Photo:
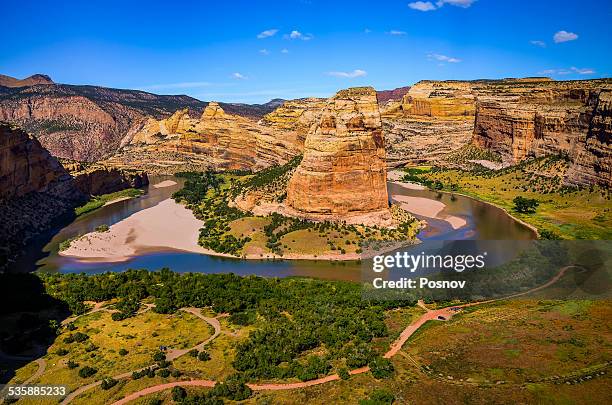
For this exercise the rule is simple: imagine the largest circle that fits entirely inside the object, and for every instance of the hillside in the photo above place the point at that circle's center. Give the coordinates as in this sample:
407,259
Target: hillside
87,123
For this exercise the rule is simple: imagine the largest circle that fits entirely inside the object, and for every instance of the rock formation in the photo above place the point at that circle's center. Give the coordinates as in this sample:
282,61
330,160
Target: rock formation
343,170
216,140
530,119
431,120
439,99
297,116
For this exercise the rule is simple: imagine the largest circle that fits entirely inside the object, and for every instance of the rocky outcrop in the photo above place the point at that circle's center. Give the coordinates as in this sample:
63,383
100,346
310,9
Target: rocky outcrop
343,171
439,99
385,96
531,119
297,116
216,140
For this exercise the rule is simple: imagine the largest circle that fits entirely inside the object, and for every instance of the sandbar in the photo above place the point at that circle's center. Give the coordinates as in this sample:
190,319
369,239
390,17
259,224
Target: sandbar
165,183
428,208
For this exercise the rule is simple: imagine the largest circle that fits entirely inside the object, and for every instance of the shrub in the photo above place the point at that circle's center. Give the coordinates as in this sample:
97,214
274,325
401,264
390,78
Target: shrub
164,373
525,205
379,397
159,356
203,356
193,352
102,228
61,352
71,364
108,383
87,372
123,352
178,394
381,368
344,373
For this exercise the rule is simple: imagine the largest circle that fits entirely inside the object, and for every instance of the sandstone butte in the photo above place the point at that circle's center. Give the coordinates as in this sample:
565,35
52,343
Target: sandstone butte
214,140
343,171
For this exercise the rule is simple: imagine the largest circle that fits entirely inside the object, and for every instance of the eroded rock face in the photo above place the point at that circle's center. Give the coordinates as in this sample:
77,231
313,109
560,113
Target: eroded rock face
439,99
297,116
216,140
343,170
535,119
84,123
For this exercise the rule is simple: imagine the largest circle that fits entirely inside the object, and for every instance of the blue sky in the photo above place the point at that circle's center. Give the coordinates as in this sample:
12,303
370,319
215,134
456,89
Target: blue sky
252,51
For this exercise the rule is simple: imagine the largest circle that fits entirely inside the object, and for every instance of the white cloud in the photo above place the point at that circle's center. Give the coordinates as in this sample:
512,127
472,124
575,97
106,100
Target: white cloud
429,6
422,6
238,76
443,58
284,50
564,36
396,32
348,75
264,52
367,31
267,33
181,85
541,44
295,34
572,70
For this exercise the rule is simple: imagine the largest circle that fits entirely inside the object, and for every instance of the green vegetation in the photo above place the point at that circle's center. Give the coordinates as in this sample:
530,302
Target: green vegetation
98,201
102,228
307,348
230,230
66,243
563,212
525,205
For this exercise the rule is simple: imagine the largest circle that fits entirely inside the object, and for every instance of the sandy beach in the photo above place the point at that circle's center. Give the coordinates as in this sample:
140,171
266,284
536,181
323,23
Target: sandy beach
428,208
168,226
165,183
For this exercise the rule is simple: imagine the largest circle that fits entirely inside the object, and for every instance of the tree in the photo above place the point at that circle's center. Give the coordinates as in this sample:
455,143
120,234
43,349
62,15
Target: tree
87,372
381,368
203,356
178,394
525,205
108,383
344,373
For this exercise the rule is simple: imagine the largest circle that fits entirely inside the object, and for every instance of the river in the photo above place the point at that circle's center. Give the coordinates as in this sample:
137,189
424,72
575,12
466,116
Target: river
482,221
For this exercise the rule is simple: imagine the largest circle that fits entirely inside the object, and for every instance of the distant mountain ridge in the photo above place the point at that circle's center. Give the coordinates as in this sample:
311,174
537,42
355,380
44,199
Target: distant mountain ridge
87,123
8,81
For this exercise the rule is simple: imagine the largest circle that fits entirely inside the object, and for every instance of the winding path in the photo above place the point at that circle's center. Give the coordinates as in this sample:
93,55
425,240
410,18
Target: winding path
442,314
430,315
171,354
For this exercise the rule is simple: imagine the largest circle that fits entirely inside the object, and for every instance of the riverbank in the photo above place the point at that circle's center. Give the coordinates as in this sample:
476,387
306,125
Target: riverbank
166,227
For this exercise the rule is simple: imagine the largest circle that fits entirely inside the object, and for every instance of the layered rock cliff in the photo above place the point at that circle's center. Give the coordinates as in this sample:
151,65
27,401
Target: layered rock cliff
430,121
216,140
530,119
297,116
343,170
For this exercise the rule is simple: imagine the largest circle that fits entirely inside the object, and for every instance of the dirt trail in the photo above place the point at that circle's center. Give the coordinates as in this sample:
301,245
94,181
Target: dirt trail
171,355
438,314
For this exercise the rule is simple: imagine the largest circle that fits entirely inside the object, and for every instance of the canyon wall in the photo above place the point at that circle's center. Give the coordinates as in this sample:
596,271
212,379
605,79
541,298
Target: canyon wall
531,119
216,140
343,170
36,190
